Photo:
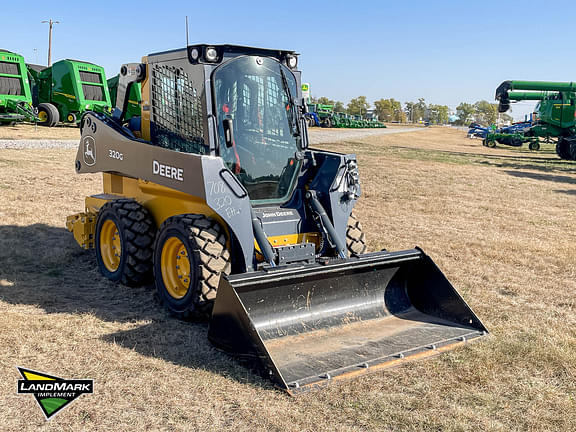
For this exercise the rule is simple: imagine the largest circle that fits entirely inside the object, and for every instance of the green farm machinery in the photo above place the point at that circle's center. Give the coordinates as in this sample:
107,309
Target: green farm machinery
555,113
15,93
320,115
325,116
67,89
134,99
516,139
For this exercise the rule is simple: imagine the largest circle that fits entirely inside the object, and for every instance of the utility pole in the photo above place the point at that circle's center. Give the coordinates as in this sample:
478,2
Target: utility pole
50,23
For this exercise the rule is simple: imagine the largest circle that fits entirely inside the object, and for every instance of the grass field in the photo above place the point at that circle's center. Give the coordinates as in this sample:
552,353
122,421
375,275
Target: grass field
498,222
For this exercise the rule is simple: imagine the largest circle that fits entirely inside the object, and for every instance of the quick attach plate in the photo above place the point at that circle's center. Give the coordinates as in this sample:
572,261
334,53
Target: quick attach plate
302,253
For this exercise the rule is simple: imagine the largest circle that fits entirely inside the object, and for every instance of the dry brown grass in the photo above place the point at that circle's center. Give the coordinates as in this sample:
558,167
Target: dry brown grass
499,222
29,131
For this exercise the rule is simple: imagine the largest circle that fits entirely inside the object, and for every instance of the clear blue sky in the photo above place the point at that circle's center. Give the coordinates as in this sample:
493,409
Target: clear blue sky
446,52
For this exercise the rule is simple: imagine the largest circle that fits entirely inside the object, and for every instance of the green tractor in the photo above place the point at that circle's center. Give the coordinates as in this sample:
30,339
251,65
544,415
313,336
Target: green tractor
322,115
134,99
15,94
66,90
555,112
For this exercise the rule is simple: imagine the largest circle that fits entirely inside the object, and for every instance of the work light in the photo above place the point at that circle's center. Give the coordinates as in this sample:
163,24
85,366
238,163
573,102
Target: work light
291,61
211,54
194,54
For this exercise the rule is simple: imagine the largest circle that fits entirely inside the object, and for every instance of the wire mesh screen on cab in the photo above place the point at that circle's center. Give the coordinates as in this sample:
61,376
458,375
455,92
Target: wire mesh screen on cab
177,122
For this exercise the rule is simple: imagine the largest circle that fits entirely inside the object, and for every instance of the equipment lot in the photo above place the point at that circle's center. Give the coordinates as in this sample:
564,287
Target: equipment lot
499,223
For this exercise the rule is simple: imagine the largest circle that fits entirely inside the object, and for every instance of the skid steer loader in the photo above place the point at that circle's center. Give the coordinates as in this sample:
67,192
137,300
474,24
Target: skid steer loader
216,196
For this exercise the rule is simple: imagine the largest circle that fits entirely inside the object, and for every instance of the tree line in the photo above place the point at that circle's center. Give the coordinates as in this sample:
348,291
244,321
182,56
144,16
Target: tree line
482,112
391,110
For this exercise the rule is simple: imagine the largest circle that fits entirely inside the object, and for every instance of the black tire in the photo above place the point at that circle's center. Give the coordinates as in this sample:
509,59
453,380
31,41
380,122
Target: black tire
516,142
490,143
572,149
205,245
327,123
355,238
52,114
563,149
137,231
534,145
71,118
484,143
311,122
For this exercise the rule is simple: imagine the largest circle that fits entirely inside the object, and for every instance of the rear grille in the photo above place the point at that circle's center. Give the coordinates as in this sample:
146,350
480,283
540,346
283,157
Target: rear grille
9,68
10,86
92,92
91,77
176,111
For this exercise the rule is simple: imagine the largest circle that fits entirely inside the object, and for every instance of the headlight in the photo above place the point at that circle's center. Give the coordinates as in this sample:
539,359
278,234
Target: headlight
291,61
211,54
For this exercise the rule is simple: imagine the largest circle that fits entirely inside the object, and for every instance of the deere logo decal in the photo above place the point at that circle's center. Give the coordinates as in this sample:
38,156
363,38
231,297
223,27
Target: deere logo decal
51,392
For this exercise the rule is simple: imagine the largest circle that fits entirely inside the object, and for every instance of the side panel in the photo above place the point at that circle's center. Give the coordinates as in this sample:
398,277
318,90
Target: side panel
183,180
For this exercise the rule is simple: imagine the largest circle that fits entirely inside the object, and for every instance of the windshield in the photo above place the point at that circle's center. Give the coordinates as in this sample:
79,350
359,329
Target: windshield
255,92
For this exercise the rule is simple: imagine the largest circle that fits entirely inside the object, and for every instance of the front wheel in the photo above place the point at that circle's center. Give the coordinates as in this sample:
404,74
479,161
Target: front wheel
71,118
534,145
190,254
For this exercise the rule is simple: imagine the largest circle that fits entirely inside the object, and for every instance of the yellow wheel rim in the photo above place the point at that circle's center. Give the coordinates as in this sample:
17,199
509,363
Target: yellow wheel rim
110,245
175,267
70,118
42,116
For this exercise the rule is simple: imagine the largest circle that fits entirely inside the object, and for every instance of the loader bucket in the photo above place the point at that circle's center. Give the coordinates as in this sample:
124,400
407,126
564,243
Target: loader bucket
310,324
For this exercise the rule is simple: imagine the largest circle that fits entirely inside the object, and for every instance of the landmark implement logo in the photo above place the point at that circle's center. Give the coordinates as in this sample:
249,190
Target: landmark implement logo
51,392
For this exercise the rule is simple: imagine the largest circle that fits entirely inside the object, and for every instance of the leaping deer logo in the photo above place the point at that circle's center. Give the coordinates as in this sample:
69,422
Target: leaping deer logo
89,151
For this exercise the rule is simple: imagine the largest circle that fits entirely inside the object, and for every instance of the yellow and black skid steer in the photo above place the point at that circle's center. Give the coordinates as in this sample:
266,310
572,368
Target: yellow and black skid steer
215,195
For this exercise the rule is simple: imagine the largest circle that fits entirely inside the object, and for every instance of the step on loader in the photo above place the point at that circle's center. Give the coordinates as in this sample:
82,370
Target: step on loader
216,197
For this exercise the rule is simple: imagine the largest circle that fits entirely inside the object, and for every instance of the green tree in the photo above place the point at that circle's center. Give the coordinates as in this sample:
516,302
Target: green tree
438,114
339,107
389,110
358,105
416,111
325,101
466,112
486,112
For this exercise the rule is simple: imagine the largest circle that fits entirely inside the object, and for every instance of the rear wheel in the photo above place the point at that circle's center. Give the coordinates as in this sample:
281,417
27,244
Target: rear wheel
48,115
355,238
124,239
563,148
572,149
189,256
